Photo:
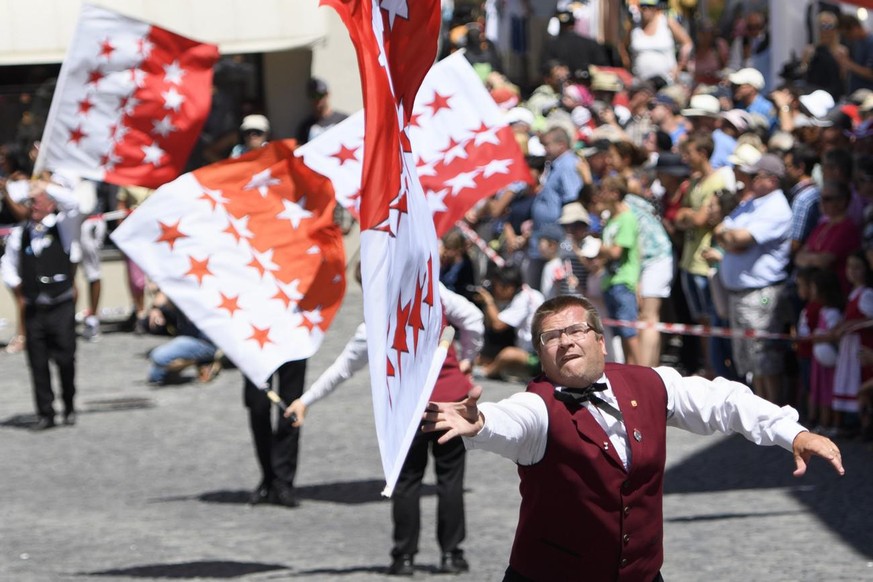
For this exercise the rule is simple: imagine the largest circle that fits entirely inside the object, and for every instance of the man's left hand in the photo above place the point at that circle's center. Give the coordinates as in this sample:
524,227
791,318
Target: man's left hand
806,444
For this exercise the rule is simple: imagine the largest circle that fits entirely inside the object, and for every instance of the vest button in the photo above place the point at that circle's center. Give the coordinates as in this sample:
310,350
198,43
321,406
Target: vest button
625,538
622,563
625,486
626,510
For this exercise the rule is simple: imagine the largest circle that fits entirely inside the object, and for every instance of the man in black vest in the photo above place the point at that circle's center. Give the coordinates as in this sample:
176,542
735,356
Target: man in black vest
589,439
39,263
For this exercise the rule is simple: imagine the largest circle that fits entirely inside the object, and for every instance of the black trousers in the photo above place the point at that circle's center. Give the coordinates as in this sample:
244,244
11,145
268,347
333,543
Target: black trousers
450,461
51,336
277,448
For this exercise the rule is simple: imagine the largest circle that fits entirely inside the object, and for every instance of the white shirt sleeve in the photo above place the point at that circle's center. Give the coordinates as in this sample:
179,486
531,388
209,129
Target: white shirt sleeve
865,304
11,256
516,428
705,406
467,319
352,359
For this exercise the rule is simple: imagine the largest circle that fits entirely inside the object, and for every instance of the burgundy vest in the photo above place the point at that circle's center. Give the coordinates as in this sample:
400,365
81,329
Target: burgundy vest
452,384
583,516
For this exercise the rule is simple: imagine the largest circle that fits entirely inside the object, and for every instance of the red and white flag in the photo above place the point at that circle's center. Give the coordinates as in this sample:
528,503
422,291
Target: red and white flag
248,249
464,149
396,42
130,101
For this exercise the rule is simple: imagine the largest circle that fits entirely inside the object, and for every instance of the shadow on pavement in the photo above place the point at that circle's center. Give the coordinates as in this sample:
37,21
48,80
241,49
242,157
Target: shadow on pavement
843,504
361,570
191,570
344,492
87,407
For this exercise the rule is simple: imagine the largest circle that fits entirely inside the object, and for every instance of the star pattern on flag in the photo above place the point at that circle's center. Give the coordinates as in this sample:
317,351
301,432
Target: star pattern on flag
436,200
94,77
263,262
455,149
199,269
262,182
395,8
496,167
311,318
85,106
229,303
164,126
77,135
106,49
153,154
260,335
294,211
238,228
214,198
170,233
173,73
346,154
486,134
438,103
173,100
461,181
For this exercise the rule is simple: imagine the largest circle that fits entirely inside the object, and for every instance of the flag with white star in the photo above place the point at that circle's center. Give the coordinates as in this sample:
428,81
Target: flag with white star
396,43
248,249
464,149
130,101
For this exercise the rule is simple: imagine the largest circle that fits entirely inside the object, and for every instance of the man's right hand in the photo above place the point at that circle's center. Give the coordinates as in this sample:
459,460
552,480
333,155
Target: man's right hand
298,409
456,418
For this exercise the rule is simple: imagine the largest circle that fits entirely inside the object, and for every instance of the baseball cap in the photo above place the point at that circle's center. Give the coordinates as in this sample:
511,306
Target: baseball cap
702,106
316,88
769,164
598,146
551,232
255,123
748,76
672,165
667,101
573,213
818,103
738,118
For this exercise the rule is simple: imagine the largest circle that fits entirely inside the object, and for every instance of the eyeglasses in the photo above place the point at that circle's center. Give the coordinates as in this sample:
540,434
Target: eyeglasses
575,332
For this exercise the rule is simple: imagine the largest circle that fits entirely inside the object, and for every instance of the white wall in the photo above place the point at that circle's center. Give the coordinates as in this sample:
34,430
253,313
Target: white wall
38,31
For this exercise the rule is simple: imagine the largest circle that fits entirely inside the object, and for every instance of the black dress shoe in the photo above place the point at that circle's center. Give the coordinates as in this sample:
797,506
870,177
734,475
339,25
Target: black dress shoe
284,495
401,566
70,418
453,563
44,423
261,494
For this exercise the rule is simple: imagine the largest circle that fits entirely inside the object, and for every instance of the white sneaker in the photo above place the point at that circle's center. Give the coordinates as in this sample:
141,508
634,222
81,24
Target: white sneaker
91,331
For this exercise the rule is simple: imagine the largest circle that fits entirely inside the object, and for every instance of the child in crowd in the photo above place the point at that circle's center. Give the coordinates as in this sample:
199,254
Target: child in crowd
621,255
824,290
456,267
806,322
854,333
556,271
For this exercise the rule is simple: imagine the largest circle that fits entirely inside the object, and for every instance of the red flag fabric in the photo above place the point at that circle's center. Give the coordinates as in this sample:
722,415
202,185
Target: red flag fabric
396,43
248,249
130,101
464,149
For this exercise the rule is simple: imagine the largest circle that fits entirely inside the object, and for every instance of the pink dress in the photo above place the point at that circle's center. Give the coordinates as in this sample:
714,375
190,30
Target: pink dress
821,384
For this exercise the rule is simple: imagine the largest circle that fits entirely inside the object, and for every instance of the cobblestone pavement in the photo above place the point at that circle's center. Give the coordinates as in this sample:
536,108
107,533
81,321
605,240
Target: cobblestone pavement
152,484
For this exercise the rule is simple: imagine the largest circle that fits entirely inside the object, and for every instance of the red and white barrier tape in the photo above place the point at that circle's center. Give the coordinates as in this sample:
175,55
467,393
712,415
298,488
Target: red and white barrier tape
474,237
700,330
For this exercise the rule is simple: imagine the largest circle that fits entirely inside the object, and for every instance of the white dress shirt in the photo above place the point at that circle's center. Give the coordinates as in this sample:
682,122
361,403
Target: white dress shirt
517,427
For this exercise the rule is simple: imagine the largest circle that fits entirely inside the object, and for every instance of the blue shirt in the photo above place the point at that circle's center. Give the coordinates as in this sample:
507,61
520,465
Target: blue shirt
806,211
764,262
561,187
724,147
763,106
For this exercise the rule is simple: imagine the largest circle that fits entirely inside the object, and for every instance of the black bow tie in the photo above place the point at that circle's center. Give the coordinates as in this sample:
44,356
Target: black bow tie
580,396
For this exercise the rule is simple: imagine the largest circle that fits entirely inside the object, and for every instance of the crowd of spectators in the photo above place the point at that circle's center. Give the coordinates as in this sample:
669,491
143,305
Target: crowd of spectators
676,180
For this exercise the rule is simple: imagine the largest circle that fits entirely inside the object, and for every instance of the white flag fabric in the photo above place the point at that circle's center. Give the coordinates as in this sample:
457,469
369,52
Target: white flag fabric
130,101
396,44
248,249
464,149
